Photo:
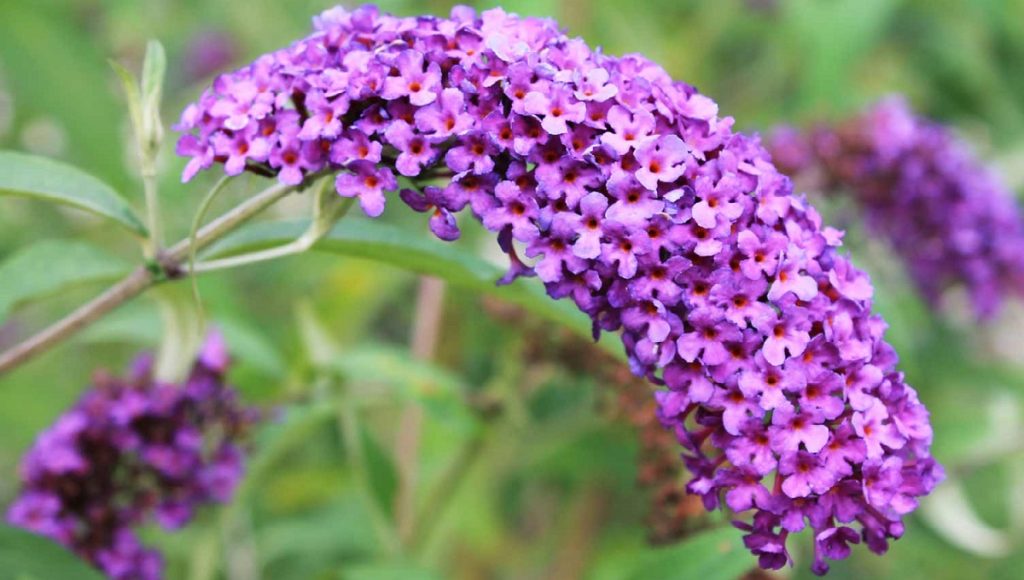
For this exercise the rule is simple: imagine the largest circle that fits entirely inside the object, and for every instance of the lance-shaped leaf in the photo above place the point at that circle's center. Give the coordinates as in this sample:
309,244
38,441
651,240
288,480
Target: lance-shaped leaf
716,554
27,556
44,179
373,240
143,100
153,71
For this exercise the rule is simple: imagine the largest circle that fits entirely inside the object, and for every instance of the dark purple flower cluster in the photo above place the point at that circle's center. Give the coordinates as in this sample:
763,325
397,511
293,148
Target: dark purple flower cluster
635,199
133,449
947,216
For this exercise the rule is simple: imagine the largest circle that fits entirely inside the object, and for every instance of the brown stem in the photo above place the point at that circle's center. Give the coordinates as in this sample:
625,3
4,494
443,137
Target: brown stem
171,262
586,519
425,332
129,287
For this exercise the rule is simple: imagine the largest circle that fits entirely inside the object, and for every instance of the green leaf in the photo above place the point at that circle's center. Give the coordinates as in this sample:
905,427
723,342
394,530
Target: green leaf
374,240
319,344
131,94
382,474
26,556
331,531
366,367
716,554
44,179
835,37
56,69
153,70
136,323
250,345
441,394
49,267
713,555
275,441
182,337
139,323
388,571
151,131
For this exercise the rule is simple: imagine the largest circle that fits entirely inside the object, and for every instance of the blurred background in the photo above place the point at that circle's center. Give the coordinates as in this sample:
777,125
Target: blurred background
426,431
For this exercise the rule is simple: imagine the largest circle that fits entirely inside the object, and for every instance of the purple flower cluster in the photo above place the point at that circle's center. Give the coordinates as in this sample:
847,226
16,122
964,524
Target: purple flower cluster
632,197
130,450
947,216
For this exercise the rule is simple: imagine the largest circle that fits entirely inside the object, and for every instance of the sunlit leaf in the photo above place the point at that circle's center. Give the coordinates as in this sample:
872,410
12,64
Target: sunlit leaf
26,556
44,179
50,267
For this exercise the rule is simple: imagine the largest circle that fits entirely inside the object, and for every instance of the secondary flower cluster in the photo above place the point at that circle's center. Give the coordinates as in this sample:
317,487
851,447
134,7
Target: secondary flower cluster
947,216
133,449
635,200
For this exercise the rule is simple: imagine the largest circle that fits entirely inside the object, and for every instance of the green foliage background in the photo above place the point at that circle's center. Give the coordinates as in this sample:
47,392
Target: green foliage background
546,487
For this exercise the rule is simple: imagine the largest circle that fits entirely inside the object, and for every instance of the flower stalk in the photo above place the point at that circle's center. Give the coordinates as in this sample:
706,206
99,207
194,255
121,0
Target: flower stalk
171,265
328,209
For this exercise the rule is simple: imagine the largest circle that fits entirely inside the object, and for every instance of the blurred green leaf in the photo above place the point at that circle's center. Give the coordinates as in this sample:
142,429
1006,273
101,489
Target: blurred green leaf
949,512
330,531
250,345
138,323
153,71
132,95
366,367
290,429
26,556
374,240
716,554
319,343
44,179
382,473
56,71
440,392
388,571
835,37
151,131
283,435
182,336
50,267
